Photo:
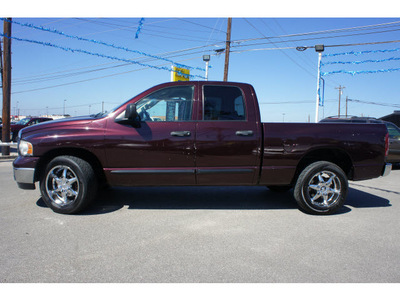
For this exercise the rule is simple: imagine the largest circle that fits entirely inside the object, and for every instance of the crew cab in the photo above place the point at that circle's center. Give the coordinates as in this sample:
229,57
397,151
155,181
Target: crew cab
197,133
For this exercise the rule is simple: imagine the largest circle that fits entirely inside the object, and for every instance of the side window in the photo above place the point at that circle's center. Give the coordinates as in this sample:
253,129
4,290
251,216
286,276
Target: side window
393,131
33,122
223,103
170,104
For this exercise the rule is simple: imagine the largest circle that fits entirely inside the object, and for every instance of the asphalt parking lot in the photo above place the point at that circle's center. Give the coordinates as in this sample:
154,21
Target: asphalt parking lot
193,234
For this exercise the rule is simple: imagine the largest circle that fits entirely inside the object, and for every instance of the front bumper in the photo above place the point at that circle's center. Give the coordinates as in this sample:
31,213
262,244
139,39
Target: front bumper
387,169
24,172
25,178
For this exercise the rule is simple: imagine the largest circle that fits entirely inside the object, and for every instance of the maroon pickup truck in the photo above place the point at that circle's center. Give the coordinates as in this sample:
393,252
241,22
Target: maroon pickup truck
197,133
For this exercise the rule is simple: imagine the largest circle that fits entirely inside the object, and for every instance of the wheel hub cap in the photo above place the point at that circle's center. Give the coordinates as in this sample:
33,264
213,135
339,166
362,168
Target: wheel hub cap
62,185
324,189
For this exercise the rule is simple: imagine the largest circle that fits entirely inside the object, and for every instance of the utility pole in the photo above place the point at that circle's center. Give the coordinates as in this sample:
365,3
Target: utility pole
347,100
1,64
6,86
227,48
340,88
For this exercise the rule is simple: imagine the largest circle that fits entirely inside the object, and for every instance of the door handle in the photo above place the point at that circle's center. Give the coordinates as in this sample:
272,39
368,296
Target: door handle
180,133
245,132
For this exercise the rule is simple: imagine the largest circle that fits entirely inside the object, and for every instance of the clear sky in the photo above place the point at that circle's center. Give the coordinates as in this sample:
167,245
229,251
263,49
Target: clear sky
263,54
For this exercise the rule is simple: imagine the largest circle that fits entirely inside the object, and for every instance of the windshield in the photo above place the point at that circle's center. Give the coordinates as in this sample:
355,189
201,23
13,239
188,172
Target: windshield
23,121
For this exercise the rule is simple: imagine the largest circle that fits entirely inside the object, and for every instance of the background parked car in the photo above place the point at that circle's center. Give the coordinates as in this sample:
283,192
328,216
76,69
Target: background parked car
394,133
394,143
350,119
15,128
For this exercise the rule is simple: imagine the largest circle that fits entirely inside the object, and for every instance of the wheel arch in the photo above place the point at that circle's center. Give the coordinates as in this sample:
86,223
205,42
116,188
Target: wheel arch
334,155
77,152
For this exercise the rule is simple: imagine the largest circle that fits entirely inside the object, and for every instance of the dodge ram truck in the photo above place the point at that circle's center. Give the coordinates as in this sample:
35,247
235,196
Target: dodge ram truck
201,133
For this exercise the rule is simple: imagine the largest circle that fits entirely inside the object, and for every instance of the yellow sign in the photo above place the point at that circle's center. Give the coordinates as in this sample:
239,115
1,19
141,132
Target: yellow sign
180,74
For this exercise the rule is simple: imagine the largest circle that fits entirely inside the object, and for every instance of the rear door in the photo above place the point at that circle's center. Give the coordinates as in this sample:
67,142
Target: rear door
227,136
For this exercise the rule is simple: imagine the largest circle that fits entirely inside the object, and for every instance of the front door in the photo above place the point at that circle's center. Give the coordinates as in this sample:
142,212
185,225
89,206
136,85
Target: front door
161,151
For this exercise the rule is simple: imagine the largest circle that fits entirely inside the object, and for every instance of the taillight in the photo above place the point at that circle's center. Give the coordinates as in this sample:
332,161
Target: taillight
387,144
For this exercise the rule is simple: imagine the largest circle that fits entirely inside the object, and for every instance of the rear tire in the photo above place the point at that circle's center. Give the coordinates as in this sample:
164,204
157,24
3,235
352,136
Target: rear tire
321,188
68,184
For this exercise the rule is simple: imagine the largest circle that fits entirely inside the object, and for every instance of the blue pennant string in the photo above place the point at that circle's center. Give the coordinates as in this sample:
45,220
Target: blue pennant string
359,72
100,43
361,52
92,53
321,100
359,62
139,28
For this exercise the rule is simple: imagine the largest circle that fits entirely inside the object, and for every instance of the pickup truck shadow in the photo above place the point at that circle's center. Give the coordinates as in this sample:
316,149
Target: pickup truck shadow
226,198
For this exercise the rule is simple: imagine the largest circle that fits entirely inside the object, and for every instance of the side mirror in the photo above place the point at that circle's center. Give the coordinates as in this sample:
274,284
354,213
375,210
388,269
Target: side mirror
131,112
131,116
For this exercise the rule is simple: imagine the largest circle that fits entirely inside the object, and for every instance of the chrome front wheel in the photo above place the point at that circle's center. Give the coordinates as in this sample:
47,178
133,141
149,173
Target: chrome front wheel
62,186
68,184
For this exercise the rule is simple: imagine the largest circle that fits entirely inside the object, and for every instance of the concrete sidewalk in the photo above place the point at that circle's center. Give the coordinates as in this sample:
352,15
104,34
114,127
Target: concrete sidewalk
11,156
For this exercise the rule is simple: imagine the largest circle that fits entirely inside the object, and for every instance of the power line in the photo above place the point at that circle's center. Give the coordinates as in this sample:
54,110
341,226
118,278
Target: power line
319,32
313,38
307,71
191,22
375,103
293,102
307,47
80,81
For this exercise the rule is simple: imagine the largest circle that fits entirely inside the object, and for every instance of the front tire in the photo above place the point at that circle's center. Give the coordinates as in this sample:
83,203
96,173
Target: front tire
68,184
321,188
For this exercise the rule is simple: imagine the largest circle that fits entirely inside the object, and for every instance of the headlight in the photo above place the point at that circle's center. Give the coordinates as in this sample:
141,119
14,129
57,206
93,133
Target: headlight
25,148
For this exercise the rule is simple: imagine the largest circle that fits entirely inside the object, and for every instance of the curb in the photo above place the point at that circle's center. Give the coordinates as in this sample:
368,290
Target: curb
8,156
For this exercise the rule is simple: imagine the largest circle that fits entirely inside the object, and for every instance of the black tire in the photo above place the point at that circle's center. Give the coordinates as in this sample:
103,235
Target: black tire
68,184
321,188
279,188
14,136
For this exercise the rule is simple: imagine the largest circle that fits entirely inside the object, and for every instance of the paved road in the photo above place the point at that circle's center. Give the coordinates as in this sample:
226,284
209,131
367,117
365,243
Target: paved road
239,234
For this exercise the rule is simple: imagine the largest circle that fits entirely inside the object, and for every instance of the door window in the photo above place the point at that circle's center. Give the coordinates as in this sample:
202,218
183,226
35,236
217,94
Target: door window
223,103
172,104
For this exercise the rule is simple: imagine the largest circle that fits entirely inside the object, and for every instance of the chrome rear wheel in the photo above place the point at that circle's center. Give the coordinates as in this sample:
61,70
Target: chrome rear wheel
321,188
324,189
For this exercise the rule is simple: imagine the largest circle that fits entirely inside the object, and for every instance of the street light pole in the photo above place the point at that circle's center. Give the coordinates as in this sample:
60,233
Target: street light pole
206,58
64,107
